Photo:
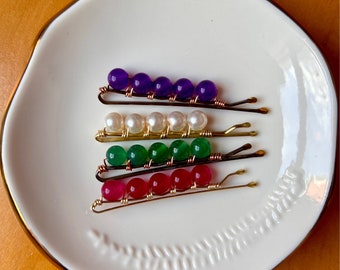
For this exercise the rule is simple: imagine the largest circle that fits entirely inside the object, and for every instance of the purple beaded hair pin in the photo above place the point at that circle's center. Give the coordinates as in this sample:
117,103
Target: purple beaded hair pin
181,93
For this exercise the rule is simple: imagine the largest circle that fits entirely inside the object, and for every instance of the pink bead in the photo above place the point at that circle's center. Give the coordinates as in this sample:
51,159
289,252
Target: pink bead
159,184
181,179
137,188
201,174
113,190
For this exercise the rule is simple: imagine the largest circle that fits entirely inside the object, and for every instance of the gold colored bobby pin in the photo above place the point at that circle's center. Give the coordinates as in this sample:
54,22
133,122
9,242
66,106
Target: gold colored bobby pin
158,126
161,186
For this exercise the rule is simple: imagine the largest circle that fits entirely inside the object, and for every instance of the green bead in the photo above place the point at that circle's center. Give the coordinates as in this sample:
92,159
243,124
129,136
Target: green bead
200,148
116,155
179,150
158,152
137,155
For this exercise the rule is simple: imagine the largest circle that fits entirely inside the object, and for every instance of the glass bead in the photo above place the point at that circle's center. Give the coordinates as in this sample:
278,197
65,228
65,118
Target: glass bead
118,79
197,120
137,188
116,155
156,122
141,83
183,89
181,179
113,190
158,152
177,121
137,155
114,122
162,87
206,91
179,150
200,148
159,184
201,175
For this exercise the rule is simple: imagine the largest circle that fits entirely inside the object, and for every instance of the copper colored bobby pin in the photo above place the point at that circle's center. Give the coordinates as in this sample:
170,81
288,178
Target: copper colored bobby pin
161,186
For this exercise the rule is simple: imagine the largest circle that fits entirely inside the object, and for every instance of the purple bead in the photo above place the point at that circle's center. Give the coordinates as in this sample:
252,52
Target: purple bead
183,88
206,90
141,83
162,87
118,79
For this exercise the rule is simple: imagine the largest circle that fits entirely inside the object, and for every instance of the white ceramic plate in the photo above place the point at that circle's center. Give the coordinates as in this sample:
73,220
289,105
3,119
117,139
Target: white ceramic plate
248,48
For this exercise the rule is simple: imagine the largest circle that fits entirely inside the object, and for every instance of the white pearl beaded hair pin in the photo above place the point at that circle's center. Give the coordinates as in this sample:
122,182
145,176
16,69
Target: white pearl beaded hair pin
181,93
158,126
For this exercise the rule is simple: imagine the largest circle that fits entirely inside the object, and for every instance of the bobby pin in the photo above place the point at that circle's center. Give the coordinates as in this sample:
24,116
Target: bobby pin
160,186
160,158
158,126
181,93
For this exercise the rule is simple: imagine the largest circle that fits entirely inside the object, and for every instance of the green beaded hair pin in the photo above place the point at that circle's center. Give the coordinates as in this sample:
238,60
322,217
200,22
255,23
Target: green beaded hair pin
158,126
160,157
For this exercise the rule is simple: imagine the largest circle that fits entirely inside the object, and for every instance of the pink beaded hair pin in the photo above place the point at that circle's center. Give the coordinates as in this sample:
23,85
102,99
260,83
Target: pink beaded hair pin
181,93
159,186
158,126
160,157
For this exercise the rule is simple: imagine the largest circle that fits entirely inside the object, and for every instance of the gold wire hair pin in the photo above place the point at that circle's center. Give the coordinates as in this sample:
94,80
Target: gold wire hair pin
159,157
180,182
181,93
158,126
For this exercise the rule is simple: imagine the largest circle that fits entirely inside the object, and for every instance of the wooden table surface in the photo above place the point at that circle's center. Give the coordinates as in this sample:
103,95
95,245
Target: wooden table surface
21,22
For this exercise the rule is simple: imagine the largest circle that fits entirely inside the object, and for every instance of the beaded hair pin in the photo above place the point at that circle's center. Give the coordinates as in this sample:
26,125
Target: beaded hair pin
181,182
181,93
157,126
159,157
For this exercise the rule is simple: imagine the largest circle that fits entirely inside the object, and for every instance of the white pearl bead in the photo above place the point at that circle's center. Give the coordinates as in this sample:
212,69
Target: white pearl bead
156,122
177,121
197,120
114,122
135,123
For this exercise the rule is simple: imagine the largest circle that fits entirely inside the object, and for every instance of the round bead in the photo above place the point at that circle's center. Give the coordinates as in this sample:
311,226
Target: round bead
114,122
181,179
183,89
162,87
116,155
177,121
179,150
113,190
141,83
201,175
159,184
137,188
137,155
158,152
118,79
135,123
206,91
197,120
200,148
156,122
